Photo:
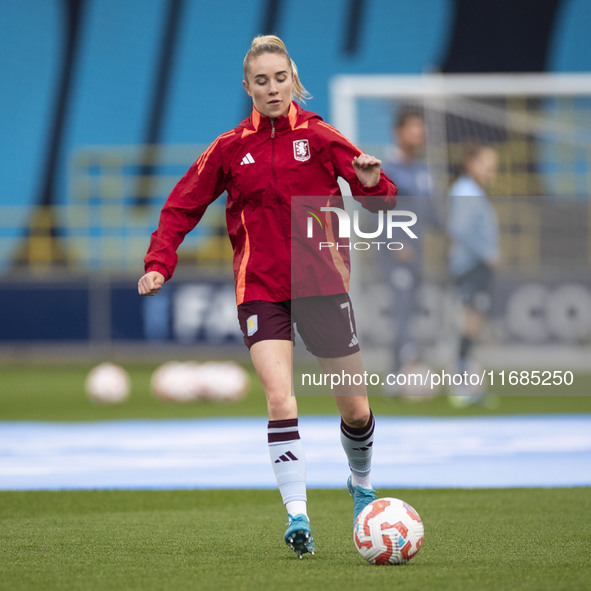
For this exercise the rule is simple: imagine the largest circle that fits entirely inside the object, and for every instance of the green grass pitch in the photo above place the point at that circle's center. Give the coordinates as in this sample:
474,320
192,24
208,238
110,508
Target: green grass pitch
525,539
56,393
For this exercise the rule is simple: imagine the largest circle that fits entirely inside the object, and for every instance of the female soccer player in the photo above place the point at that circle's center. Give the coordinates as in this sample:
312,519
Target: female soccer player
475,252
279,152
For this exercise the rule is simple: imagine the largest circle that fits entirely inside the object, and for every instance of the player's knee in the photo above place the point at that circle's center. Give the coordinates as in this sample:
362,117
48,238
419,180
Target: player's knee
280,404
357,420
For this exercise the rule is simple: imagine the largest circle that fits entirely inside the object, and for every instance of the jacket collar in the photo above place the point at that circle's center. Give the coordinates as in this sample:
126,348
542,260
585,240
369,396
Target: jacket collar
290,120
296,118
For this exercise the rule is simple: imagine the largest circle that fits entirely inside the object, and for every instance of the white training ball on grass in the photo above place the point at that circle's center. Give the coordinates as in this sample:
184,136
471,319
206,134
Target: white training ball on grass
223,381
107,383
174,381
415,383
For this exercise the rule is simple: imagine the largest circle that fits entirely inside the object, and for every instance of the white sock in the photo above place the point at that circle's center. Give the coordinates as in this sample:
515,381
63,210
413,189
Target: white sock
289,464
358,445
296,507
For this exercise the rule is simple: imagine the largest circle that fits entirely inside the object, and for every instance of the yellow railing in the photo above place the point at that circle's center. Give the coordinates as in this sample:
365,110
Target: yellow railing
115,194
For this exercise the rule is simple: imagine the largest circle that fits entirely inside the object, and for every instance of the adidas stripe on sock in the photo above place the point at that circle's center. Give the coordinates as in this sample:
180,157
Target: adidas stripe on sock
357,443
287,458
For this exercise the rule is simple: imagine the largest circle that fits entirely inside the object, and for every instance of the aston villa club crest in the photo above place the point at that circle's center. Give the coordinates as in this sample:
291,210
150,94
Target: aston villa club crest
252,324
301,150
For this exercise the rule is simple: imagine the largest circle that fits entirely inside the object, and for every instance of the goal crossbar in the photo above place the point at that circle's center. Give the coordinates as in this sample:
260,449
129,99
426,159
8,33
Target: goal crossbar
346,89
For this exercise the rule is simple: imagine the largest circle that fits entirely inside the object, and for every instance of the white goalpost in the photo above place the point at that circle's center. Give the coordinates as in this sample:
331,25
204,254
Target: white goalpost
346,90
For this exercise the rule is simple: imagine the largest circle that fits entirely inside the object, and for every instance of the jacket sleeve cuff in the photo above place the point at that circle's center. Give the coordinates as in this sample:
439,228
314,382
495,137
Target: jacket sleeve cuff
378,189
378,197
157,267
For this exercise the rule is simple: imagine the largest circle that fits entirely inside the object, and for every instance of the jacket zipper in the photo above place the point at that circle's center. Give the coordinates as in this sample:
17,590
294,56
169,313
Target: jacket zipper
274,173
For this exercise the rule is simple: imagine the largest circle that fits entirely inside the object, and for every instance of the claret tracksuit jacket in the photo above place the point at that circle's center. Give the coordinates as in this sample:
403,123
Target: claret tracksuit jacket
274,171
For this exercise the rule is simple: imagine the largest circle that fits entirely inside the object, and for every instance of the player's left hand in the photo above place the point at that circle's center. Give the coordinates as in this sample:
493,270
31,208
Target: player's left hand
367,168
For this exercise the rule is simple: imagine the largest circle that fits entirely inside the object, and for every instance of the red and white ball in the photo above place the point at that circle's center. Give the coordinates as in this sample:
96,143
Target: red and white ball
107,383
388,531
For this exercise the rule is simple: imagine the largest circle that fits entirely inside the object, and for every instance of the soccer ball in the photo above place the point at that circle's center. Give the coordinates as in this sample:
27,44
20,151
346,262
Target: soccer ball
175,381
189,381
388,531
224,381
416,387
107,383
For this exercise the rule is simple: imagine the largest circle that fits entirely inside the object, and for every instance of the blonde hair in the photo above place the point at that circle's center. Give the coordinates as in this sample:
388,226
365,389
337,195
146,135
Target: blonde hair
272,44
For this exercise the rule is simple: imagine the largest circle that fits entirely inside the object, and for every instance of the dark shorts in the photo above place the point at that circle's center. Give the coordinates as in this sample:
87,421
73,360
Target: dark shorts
326,324
475,288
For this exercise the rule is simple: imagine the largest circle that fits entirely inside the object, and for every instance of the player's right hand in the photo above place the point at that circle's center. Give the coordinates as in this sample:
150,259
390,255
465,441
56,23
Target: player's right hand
150,284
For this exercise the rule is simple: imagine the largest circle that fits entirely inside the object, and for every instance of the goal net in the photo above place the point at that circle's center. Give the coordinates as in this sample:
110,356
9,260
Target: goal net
540,126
